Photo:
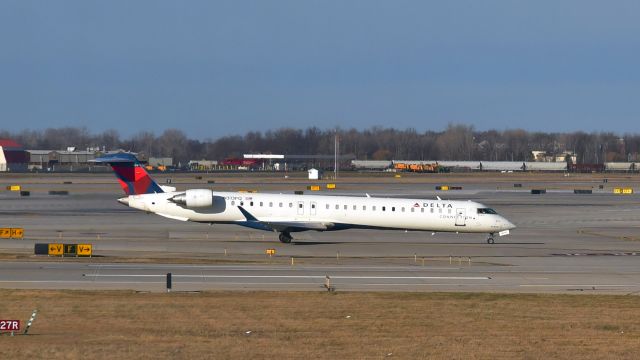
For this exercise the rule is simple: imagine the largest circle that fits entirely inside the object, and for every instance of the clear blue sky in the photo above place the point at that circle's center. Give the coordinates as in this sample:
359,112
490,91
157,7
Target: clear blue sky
214,68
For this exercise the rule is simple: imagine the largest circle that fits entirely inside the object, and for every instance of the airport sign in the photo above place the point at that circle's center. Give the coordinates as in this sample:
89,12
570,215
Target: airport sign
17,233
84,249
9,325
70,249
11,233
56,249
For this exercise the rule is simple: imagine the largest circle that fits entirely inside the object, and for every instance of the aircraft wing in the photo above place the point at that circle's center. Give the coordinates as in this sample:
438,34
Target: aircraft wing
293,226
284,226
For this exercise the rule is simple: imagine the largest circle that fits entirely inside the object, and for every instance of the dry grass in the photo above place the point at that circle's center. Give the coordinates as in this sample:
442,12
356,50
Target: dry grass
293,325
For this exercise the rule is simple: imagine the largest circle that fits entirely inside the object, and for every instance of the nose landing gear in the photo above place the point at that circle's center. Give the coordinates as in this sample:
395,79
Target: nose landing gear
285,237
490,239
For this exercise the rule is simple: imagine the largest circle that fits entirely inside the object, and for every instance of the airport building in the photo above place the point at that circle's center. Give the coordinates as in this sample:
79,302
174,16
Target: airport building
499,166
13,157
280,162
202,165
65,160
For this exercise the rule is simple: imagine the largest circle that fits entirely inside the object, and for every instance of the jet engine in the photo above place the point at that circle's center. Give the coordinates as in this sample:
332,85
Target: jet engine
195,198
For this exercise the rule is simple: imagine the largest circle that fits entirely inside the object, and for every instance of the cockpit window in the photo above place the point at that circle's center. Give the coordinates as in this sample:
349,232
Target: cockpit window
487,211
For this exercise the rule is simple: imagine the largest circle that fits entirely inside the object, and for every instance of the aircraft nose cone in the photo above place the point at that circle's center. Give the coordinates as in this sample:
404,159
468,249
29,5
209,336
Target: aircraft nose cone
124,201
508,225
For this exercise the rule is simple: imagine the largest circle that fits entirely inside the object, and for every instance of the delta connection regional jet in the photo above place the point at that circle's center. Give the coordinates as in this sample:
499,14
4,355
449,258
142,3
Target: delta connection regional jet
286,214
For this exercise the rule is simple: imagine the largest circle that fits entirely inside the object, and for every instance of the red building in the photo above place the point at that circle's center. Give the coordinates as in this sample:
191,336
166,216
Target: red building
13,157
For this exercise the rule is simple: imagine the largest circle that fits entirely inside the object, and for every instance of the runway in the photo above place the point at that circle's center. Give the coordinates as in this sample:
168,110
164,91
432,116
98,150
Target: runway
468,277
564,243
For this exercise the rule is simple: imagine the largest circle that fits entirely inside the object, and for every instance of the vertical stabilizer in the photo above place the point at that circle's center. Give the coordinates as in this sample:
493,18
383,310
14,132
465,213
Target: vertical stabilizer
133,178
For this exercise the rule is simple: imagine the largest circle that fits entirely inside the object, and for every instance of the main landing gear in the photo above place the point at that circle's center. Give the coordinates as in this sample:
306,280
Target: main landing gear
490,239
285,237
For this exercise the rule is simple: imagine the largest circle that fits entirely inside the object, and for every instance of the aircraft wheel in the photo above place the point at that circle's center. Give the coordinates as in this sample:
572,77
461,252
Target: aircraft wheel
490,240
285,238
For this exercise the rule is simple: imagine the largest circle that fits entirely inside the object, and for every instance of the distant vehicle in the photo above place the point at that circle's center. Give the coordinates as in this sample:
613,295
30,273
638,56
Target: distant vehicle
286,214
241,162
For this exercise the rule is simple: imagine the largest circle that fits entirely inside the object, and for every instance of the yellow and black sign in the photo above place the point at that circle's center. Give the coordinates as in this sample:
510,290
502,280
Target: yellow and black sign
56,249
17,233
11,233
271,251
624,191
84,249
70,249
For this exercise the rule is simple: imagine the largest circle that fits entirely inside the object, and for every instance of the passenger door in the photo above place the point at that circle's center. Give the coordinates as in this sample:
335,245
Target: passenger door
313,208
300,207
460,215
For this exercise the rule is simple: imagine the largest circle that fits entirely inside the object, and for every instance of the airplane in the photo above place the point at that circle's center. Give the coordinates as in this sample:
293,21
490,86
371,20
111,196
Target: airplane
289,213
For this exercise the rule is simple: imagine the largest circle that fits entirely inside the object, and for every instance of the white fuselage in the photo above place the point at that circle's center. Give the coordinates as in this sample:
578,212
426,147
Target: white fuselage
336,212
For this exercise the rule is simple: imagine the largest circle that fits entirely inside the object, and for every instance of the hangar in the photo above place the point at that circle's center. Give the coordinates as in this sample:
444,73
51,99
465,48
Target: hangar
13,157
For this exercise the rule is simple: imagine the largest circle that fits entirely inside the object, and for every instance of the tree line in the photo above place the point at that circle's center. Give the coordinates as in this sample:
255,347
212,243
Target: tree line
456,142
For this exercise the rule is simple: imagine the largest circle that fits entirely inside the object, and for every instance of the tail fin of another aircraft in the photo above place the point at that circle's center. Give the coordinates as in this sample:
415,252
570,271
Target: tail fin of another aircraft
133,178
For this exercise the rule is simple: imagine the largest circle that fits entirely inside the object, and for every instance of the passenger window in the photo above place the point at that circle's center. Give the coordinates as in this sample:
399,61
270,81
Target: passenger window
364,207
412,209
261,204
393,208
300,206
422,210
290,205
280,204
374,208
345,207
403,209
449,211
354,207
384,208
440,211
233,203
432,210
251,203
327,206
241,203
270,204
337,207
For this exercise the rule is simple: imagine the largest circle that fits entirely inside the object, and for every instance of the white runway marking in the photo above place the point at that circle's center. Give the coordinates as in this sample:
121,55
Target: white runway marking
298,277
270,268
578,285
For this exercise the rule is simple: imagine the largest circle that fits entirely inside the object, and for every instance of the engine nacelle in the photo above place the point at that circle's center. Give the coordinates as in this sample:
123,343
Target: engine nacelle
195,198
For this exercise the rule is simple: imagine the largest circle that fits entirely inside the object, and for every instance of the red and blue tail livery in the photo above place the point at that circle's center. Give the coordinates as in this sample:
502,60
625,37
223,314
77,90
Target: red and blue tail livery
133,178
